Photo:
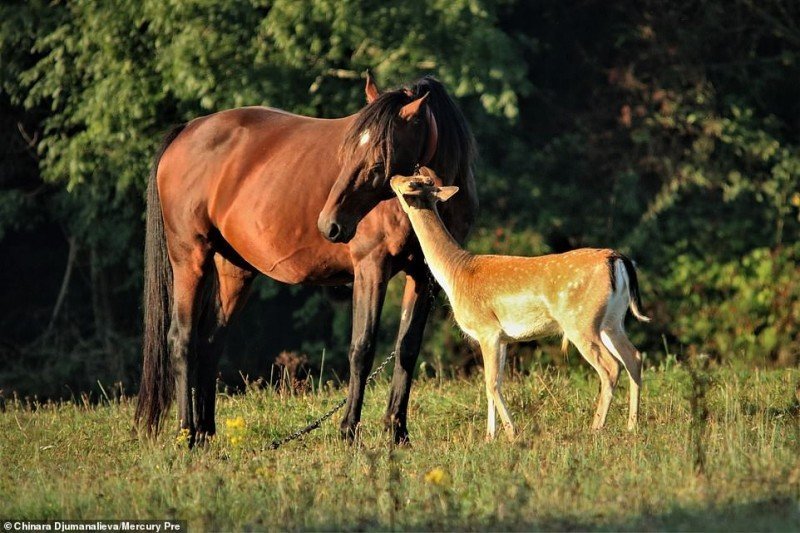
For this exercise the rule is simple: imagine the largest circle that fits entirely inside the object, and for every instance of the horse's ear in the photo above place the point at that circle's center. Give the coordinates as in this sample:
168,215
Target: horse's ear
428,172
443,194
411,110
371,89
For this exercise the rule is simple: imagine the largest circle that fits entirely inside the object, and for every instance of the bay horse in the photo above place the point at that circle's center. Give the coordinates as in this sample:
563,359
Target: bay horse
301,200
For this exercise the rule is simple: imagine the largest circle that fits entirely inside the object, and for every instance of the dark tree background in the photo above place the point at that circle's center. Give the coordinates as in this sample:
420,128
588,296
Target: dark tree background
668,130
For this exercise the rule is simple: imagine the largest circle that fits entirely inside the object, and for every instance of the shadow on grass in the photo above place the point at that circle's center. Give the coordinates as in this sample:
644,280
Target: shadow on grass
778,514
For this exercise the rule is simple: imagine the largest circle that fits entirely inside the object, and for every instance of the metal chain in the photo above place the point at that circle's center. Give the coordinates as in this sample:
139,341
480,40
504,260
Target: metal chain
277,443
431,284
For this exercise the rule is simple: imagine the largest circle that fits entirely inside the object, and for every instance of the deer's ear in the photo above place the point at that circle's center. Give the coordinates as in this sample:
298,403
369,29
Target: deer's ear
371,89
410,110
443,194
429,173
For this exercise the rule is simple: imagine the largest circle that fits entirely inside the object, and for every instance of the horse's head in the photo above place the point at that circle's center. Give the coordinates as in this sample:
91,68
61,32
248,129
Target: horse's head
395,133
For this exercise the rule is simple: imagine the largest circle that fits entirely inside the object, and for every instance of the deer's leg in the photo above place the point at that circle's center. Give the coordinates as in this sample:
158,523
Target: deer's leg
490,364
369,290
189,269
415,308
621,347
607,369
229,286
493,362
491,414
508,424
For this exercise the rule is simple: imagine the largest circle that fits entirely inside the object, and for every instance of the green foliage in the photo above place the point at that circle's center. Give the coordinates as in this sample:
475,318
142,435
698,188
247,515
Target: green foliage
747,308
116,74
617,125
16,211
108,78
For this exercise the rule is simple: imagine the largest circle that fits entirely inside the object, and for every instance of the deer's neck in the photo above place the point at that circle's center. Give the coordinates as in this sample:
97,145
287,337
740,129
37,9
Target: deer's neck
444,256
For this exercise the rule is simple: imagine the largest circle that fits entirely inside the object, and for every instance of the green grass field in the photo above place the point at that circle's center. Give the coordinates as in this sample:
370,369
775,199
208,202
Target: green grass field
68,461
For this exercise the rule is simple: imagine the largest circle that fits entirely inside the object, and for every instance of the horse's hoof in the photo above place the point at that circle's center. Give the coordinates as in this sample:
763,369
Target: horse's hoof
349,433
203,438
399,432
401,438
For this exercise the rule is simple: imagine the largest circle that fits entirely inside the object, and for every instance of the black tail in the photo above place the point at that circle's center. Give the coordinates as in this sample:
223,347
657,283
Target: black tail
156,389
633,288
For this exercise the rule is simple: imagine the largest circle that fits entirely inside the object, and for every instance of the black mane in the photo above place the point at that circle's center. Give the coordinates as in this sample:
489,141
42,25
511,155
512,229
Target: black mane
455,151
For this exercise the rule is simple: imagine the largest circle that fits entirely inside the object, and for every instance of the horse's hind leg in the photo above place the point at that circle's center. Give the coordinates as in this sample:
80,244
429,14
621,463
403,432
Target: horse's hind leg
230,286
189,268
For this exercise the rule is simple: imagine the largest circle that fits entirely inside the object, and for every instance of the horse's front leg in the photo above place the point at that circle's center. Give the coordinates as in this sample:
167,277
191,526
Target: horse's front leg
414,315
369,290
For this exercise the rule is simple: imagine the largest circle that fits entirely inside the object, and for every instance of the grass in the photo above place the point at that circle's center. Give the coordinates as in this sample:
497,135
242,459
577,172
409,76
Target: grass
70,461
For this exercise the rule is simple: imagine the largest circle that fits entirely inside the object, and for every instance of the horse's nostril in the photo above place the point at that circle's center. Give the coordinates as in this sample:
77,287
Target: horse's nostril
334,230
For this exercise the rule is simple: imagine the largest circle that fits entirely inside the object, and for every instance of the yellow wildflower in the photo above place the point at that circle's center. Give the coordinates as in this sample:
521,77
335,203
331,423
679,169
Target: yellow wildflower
235,423
236,428
183,436
437,476
263,471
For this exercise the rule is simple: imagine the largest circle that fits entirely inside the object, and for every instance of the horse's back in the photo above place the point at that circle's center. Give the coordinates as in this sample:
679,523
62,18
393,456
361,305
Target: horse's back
261,126
259,176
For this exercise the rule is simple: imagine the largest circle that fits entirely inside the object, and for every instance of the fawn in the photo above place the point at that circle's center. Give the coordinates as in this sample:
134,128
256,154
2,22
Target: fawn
583,294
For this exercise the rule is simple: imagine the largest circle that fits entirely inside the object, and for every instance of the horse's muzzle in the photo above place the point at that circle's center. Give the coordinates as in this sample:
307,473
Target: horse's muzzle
335,231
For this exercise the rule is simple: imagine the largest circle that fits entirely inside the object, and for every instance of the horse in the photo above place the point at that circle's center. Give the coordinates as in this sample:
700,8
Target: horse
257,190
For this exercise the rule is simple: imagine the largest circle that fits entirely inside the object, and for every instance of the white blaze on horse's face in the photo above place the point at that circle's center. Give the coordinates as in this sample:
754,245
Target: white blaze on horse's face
364,139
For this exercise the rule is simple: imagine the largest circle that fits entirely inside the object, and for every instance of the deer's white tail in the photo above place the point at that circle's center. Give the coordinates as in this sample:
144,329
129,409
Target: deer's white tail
624,277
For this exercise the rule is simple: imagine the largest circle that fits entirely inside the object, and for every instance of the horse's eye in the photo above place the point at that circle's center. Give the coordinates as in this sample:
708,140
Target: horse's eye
378,175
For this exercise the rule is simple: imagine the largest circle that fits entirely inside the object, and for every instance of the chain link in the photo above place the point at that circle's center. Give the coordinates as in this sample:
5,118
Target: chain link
432,284
277,443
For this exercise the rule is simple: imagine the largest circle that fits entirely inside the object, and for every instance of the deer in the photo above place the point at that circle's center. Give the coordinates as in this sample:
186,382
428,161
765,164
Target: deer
583,294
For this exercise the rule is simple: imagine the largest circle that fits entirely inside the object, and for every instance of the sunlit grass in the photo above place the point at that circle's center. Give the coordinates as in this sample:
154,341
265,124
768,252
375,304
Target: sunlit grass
72,461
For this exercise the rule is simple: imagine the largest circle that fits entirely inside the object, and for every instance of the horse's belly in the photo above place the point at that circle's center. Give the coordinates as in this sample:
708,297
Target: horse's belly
280,238
307,264
266,184
289,256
